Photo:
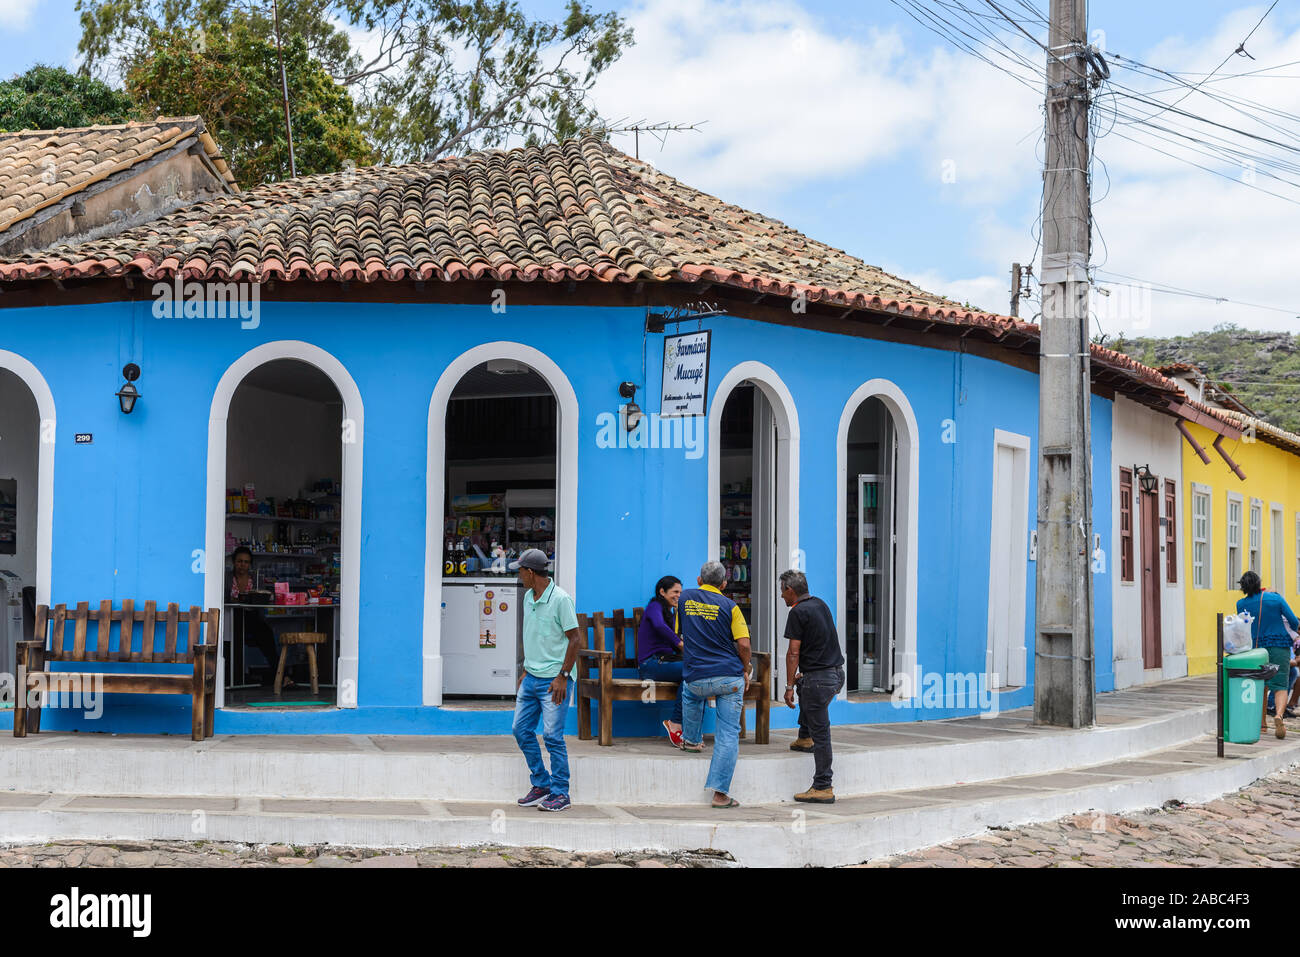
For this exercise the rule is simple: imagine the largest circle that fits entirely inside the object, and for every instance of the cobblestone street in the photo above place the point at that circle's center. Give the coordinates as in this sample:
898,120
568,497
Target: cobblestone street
212,854
1258,826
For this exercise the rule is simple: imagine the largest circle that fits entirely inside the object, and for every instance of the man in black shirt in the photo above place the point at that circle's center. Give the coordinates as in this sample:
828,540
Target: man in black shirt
815,661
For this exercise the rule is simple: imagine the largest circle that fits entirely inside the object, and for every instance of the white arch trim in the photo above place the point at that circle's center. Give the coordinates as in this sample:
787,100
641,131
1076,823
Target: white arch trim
48,431
350,530
787,464
566,501
907,489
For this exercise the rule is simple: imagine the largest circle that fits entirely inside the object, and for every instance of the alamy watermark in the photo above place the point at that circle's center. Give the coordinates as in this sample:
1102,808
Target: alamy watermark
946,690
652,431
209,300
62,690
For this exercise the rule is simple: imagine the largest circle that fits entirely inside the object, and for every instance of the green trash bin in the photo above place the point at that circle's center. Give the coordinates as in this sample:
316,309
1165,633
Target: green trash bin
1244,675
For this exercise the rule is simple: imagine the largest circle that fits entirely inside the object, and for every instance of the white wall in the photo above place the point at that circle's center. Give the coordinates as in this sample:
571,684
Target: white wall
281,443
1143,437
19,444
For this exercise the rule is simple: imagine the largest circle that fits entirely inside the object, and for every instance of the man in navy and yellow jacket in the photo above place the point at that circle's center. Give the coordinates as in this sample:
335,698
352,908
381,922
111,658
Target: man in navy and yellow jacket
715,664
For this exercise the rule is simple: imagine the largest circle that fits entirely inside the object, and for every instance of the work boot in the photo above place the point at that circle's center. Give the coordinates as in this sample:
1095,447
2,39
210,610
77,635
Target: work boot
817,796
802,744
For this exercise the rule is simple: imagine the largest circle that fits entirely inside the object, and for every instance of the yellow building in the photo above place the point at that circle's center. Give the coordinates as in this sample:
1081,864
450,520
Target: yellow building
1232,523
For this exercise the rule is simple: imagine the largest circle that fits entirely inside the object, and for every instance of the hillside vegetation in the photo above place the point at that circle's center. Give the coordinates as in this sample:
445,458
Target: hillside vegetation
1262,369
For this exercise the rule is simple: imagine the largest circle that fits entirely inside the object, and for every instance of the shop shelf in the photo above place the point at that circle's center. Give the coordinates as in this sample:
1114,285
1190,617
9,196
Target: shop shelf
272,518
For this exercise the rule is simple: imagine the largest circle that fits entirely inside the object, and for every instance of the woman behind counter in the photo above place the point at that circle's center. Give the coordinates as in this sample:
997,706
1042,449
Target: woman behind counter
256,631
1268,608
659,647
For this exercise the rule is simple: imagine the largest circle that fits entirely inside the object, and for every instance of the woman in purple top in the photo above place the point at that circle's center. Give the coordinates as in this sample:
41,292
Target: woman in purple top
659,647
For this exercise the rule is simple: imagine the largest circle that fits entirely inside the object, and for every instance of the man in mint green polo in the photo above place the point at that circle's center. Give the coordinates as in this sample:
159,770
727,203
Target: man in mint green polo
550,652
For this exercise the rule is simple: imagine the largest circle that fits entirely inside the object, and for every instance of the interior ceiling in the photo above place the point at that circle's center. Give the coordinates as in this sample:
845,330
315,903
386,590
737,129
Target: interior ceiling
301,379
479,383
293,377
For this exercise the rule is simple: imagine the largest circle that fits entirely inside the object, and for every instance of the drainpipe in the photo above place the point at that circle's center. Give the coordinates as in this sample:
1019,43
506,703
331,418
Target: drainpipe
1228,458
1191,440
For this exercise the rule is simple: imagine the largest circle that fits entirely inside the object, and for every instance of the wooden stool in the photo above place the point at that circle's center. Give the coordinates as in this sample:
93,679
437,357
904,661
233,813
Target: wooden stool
309,638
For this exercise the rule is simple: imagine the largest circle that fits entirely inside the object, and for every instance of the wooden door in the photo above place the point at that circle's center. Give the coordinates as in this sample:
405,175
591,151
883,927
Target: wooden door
1150,520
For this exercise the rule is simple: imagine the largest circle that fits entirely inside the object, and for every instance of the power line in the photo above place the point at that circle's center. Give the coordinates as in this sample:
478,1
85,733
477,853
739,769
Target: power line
1167,289
1241,48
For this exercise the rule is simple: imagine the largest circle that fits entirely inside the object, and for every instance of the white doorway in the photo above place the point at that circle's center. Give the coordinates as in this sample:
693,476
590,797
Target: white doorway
1008,557
351,439
753,491
27,433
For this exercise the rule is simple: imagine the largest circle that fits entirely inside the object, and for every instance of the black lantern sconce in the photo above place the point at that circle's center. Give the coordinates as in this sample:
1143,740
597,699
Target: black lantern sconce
128,395
1148,481
632,411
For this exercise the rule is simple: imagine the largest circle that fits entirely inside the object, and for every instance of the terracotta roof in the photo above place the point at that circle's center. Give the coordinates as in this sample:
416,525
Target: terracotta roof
1263,431
578,211
39,168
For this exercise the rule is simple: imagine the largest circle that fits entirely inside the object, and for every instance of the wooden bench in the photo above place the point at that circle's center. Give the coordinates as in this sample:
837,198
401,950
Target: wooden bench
34,657
609,650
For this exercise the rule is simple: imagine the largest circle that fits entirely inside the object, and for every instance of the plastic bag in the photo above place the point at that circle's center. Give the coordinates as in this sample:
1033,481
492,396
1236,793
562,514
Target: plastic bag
1236,633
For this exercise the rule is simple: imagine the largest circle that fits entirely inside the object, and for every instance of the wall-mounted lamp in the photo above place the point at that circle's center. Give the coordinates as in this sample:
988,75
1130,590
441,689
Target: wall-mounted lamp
1148,481
632,412
129,394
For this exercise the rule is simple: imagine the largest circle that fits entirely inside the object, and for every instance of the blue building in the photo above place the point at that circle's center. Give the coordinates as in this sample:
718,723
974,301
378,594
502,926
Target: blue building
398,355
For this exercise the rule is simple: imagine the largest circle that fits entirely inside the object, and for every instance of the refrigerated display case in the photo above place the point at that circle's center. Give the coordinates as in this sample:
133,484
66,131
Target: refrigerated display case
872,568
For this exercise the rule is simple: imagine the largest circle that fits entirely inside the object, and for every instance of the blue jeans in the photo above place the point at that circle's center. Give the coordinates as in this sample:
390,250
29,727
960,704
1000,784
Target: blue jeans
534,702
656,669
730,694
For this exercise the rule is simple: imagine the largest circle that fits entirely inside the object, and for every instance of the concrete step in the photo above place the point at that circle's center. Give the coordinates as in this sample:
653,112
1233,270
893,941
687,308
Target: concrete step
869,759
850,831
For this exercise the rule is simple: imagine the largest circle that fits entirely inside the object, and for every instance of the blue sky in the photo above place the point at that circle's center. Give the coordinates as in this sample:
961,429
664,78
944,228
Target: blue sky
842,120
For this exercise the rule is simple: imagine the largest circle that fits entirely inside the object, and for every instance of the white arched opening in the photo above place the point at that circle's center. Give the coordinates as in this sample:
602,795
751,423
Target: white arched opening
786,464
40,390
566,489
352,437
907,499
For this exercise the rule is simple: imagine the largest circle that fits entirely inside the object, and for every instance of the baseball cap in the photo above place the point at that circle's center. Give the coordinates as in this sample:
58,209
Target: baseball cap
533,558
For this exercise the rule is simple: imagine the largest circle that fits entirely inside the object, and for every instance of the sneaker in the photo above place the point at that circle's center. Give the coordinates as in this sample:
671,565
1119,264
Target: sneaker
534,796
817,796
802,744
556,802
674,736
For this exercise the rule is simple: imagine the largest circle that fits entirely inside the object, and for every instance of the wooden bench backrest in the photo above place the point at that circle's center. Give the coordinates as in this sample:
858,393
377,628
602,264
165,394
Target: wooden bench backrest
615,633
85,635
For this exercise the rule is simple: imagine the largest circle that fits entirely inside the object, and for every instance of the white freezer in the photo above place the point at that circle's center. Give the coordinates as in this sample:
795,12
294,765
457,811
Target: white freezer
480,632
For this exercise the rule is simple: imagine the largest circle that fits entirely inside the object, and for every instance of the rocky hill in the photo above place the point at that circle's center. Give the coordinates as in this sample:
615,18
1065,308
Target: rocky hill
1262,369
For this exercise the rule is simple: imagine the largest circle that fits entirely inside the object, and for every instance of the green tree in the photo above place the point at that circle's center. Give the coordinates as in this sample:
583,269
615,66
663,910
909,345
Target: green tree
47,97
437,77
232,79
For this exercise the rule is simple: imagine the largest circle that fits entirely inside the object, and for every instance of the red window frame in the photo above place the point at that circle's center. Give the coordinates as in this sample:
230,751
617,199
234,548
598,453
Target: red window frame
1171,532
1125,524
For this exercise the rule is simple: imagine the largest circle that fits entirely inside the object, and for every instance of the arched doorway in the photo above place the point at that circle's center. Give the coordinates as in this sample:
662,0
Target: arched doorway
753,496
877,455
284,481
503,447
27,433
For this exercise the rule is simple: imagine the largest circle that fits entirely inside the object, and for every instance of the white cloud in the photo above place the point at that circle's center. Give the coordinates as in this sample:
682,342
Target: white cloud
792,101
16,13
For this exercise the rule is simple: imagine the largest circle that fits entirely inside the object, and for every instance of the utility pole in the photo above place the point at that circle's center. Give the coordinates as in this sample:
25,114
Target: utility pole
1015,290
284,90
1064,668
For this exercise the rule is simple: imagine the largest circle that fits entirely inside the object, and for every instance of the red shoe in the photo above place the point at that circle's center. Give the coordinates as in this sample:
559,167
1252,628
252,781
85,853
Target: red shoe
674,736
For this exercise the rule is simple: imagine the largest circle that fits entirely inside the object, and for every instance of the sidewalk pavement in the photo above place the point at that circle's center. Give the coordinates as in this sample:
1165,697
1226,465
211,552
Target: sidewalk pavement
953,781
